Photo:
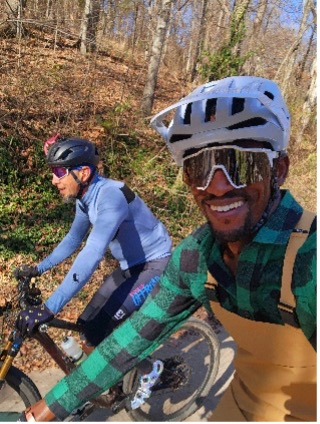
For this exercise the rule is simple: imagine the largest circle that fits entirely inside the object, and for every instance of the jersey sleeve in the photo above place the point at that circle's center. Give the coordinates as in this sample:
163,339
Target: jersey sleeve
110,211
70,242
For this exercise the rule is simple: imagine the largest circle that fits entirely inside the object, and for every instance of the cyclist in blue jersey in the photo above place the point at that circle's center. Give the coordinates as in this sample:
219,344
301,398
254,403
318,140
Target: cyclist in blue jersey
119,220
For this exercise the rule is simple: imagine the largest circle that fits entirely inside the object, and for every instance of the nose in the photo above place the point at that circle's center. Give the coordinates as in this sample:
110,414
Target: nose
219,184
55,179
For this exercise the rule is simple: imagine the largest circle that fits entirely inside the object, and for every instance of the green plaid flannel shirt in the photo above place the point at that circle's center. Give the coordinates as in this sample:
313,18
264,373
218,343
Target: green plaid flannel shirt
253,294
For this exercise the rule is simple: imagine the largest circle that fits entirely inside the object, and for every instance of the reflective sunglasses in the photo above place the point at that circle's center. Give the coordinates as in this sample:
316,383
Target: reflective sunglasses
241,166
60,172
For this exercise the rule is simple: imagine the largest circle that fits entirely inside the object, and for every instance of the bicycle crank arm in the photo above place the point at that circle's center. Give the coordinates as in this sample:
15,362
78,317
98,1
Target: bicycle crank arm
122,402
147,381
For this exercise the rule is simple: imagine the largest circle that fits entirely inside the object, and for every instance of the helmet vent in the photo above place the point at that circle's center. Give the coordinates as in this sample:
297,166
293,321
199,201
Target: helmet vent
268,94
178,137
254,122
237,105
187,115
65,154
211,107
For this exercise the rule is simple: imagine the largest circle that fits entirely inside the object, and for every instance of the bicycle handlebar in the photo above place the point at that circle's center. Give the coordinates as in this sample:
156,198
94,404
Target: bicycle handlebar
64,325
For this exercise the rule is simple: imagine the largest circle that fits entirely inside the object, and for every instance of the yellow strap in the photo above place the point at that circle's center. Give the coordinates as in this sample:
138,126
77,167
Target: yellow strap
297,238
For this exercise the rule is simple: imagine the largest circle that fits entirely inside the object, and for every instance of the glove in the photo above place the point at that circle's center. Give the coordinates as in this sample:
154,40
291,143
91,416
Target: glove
26,271
33,316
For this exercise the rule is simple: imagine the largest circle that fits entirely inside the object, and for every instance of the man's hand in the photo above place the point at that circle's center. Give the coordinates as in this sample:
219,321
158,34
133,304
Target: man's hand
26,271
31,317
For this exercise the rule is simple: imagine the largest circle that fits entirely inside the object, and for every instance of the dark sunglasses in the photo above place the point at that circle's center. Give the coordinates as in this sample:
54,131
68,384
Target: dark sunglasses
60,172
241,166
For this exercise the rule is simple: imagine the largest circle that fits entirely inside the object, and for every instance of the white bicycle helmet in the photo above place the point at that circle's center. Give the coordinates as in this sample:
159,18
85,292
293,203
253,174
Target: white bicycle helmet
234,108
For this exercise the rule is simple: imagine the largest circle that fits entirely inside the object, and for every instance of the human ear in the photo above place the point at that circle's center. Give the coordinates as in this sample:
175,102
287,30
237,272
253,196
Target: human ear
85,173
282,168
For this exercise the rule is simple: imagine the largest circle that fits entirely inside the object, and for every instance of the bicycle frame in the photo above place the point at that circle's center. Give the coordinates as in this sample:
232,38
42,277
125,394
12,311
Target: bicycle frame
14,343
49,345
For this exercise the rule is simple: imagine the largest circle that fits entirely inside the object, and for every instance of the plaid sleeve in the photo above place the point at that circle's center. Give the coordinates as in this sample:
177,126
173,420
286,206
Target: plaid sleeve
166,308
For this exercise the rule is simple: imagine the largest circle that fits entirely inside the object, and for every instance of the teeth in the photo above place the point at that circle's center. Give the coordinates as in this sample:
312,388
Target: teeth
226,208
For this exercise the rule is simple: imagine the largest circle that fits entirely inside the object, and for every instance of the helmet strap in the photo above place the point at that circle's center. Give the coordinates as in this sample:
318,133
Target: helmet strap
82,185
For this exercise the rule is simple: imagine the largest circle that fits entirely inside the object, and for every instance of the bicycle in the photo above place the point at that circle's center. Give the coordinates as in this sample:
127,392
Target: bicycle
173,395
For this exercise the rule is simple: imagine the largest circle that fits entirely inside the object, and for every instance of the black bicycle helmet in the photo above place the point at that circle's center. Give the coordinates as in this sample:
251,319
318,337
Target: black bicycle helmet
72,152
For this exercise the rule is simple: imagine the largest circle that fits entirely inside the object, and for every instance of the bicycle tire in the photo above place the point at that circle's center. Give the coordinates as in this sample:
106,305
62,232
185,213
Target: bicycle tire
17,392
196,342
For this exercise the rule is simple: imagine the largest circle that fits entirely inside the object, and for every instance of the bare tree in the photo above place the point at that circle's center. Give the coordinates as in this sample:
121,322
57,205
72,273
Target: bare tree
255,44
309,106
154,62
287,68
89,26
13,18
238,25
216,28
303,63
198,31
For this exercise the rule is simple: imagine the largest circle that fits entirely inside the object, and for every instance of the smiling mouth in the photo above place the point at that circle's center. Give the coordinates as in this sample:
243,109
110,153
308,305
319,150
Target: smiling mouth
227,208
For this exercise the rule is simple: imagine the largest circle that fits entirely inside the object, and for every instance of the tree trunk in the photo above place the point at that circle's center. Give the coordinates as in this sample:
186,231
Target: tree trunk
13,11
238,25
215,28
89,26
154,62
254,44
190,49
303,62
96,6
152,12
309,106
84,27
200,39
49,11
287,68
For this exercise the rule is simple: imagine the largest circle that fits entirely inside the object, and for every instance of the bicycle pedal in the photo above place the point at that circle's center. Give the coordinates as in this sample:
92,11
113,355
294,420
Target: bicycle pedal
146,384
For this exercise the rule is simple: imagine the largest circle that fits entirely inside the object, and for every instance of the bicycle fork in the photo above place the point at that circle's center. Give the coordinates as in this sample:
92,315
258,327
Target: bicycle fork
8,354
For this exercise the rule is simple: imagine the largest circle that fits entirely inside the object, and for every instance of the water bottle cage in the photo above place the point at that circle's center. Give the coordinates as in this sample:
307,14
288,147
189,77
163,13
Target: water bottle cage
147,381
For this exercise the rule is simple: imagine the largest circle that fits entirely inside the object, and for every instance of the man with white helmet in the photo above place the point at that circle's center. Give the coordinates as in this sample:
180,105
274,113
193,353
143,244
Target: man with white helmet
252,264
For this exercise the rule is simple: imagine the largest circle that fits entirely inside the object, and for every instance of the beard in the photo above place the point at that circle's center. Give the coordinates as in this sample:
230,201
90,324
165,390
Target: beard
69,199
236,234
233,235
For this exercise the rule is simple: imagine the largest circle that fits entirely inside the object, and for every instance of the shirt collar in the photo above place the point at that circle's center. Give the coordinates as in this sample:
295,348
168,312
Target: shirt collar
278,228
85,200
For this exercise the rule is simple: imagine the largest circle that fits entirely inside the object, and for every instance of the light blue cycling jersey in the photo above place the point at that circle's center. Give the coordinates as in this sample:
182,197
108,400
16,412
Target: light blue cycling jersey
121,221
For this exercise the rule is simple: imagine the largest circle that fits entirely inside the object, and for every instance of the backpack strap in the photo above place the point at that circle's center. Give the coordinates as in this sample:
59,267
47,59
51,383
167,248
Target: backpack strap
298,236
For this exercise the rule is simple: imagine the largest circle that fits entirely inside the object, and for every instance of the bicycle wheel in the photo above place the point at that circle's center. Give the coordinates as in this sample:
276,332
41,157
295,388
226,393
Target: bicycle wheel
191,358
16,393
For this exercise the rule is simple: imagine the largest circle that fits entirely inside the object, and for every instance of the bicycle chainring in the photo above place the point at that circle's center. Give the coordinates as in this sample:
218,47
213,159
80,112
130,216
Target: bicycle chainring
176,373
